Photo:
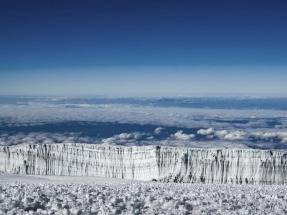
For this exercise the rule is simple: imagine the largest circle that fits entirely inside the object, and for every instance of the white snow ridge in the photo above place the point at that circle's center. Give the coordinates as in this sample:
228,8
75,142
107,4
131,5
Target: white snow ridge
168,164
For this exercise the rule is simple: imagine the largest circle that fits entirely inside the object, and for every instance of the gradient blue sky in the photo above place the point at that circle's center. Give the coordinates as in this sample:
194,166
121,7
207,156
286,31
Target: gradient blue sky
146,47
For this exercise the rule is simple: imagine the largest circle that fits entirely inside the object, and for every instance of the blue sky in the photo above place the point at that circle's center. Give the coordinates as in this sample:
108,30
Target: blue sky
143,47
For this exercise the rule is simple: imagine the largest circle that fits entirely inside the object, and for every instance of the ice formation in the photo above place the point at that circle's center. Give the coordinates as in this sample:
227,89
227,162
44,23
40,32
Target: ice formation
170,164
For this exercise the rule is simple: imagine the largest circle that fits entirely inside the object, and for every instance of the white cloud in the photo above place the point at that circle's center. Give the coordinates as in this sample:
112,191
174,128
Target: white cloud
222,134
270,136
208,131
158,130
123,139
179,135
284,140
236,135
124,136
44,138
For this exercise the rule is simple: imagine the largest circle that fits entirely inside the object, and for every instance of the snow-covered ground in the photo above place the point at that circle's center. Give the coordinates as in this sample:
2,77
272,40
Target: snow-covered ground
91,195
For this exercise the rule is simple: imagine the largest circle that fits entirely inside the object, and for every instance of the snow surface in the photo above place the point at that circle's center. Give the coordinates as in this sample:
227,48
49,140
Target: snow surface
90,195
168,164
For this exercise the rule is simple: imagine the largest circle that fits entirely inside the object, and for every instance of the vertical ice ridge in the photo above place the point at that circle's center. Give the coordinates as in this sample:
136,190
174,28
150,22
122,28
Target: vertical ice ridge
233,166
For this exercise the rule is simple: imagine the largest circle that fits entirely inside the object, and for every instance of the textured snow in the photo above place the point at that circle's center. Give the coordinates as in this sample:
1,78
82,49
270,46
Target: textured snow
231,166
76,197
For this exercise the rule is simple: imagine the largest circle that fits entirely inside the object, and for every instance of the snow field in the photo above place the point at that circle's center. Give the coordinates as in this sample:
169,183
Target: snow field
140,198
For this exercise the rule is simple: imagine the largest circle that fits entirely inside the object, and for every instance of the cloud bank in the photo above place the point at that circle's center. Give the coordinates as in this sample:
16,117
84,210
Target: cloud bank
207,127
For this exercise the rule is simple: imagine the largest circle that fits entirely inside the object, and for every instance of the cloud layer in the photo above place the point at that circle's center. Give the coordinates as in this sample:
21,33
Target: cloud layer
196,127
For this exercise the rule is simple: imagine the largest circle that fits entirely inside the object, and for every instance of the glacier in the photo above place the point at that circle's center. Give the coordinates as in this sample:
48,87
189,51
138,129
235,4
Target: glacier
157,163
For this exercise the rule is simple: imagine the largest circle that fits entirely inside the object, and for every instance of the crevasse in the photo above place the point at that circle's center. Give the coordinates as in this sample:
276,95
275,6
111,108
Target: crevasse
169,164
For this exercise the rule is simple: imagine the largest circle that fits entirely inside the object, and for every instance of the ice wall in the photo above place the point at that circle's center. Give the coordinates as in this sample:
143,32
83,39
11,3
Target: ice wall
235,166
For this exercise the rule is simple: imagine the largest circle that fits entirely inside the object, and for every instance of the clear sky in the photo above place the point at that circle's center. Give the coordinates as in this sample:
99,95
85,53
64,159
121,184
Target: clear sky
111,47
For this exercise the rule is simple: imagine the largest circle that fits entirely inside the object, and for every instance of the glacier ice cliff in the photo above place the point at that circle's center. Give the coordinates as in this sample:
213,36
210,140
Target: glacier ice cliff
169,164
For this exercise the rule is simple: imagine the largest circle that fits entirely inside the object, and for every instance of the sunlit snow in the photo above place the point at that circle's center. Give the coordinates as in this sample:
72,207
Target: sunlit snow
30,195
